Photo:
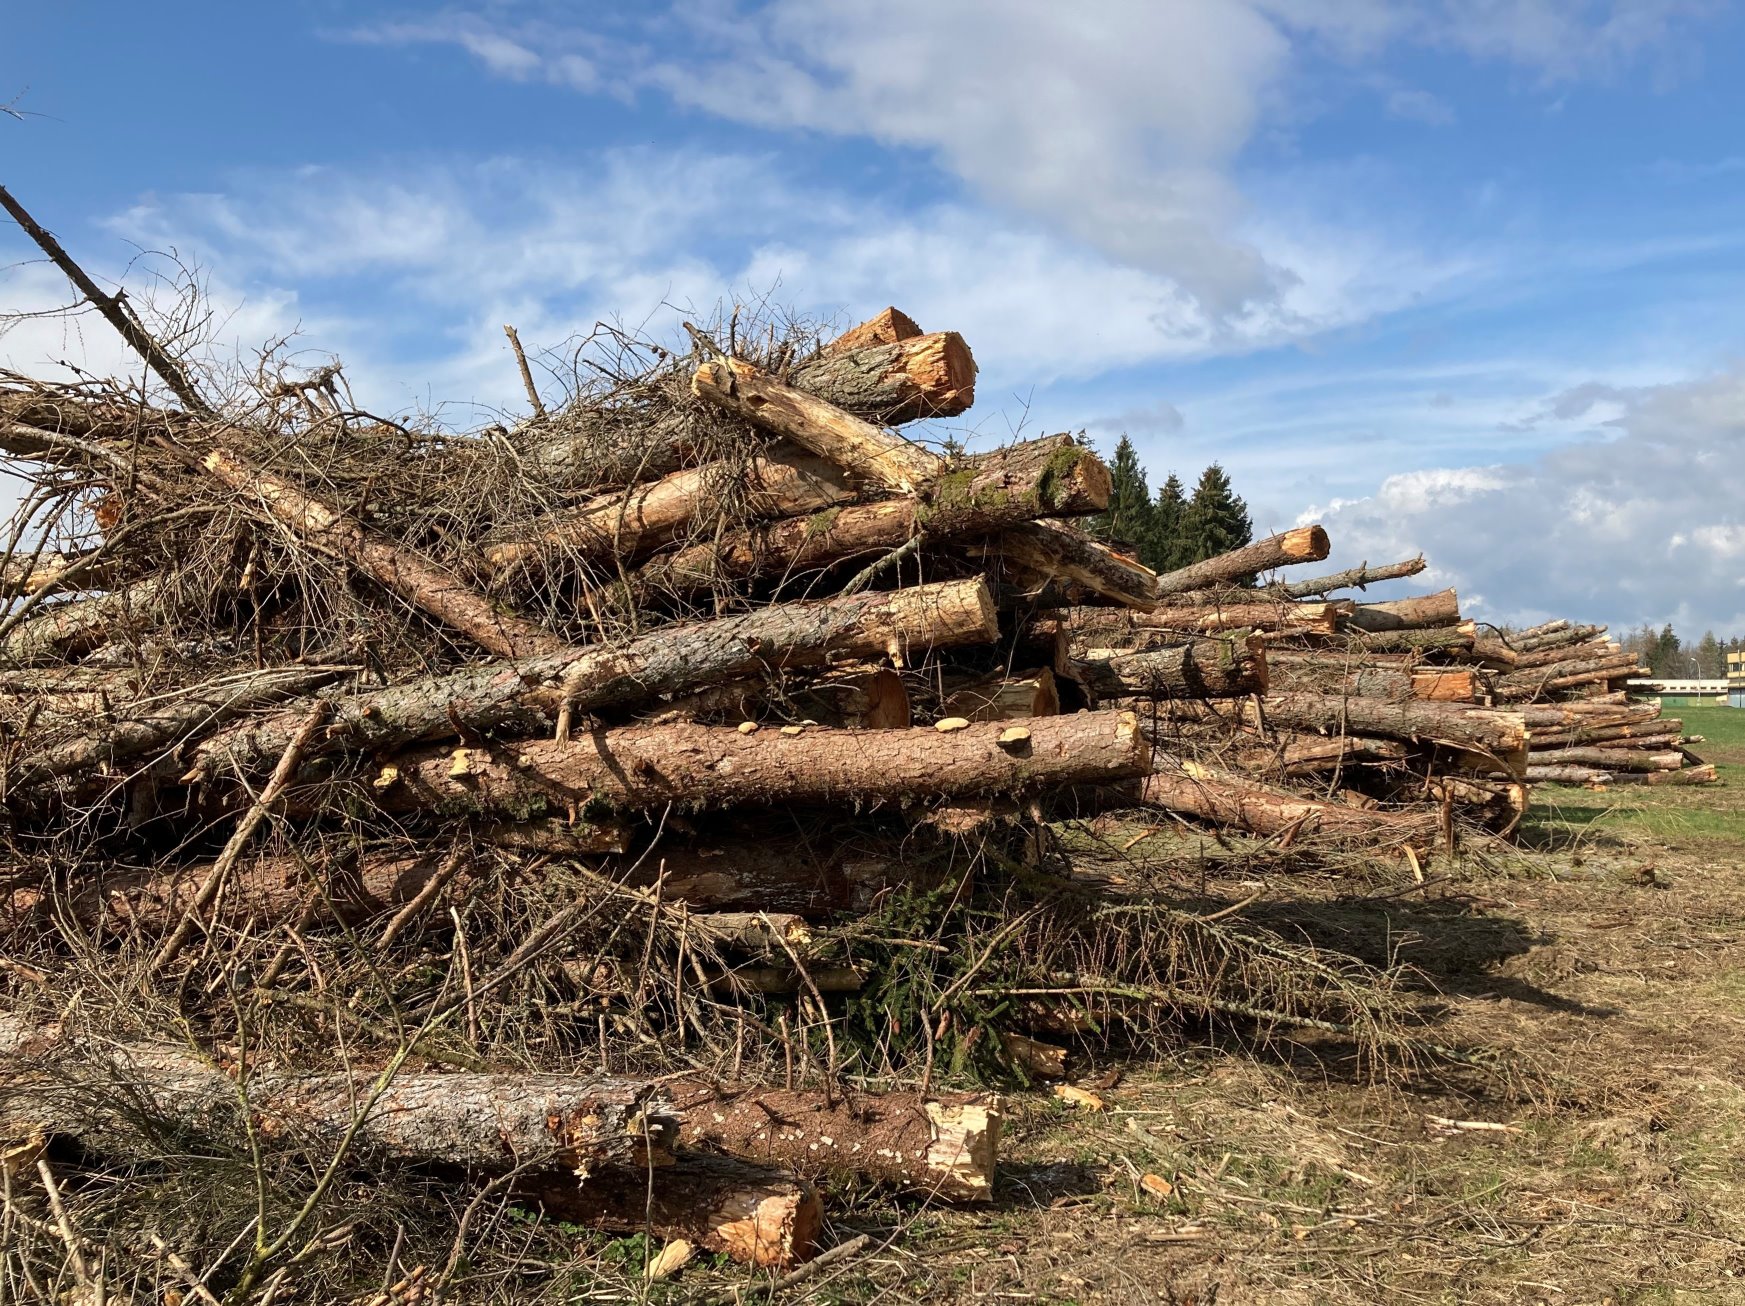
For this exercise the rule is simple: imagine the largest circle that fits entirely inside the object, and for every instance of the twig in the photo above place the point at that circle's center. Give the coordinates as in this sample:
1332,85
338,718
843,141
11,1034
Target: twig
422,899
871,571
239,838
835,1256
526,372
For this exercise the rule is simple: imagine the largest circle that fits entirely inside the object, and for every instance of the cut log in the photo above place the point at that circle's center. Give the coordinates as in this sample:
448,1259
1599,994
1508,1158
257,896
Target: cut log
1560,638
754,1216
1545,657
1637,733
1610,759
1568,775
1004,698
524,695
1309,755
1044,555
1304,544
1420,612
894,381
863,697
71,629
886,327
704,766
812,878
483,1121
1447,684
1456,724
994,491
1215,667
1359,577
433,589
51,573
780,483
565,838
1702,774
1244,804
871,453
1448,639
944,1147
1306,618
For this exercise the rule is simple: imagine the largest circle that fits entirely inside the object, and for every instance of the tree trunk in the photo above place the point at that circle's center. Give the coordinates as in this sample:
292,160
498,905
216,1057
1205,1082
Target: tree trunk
1449,639
1701,774
1611,759
1560,638
1271,616
989,493
755,1216
486,1121
1584,651
871,453
1217,667
780,483
894,381
1637,733
1016,697
435,590
1421,612
66,631
808,877
1456,724
1046,554
1304,544
760,933
943,1147
523,696
706,766
1311,755
1566,675
1567,775
1244,804
1447,684
1359,577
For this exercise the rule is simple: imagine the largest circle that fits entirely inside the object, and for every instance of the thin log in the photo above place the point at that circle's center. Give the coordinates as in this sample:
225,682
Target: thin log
1701,774
642,766
1611,759
1449,639
1545,657
1456,724
871,453
894,381
525,695
1359,577
1216,667
1303,544
806,877
1234,801
1559,638
1568,775
943,1147
1047,554
433,589
1308,618
1419,612
65,631
1446,684
753,1215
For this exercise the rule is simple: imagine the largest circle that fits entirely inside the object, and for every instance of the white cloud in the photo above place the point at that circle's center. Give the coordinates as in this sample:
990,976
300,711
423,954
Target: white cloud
1648,525
1419,106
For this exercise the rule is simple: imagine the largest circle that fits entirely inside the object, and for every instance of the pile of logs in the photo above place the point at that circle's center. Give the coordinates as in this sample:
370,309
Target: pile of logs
723,640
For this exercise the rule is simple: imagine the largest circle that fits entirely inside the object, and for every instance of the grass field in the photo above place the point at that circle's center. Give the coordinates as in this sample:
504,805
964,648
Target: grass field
1603,1161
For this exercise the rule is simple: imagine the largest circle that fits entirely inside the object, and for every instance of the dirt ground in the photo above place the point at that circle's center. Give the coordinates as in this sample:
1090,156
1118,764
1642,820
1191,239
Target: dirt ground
1602,1162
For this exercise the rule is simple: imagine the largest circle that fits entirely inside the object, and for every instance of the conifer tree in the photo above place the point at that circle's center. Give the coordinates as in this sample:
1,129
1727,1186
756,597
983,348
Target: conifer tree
1216,519
1128,518
1166,526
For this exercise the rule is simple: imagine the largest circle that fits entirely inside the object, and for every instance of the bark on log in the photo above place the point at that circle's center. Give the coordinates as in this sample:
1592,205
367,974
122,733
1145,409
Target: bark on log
1244,804
565,838
874,455
1558,638
1449,639
1611,759
994,491
894,381
1046,555
1568,775
1310,755
1456,724
1016,697
486,1121
1359,577
755,1216
524,695
758,932
705,766
50,573
945,1147
1217,667
780,483
576,451
1540,681
1304,544
1582,651
433,589
1636,733
64,631
1701,774
1420,612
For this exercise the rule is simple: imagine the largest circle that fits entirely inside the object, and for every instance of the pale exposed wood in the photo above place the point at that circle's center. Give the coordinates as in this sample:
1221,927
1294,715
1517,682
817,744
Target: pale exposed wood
871,453
1005,697
1303,544
1446,684
432,588
886,327
894,381
1420,612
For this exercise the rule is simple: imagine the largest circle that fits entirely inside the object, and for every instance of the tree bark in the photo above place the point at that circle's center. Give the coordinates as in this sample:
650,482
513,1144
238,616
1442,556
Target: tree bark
1274,617
780,483
991,492
1216,667
1545,657
523,696
1448,639
1420,612
871,453
1635,733
70,630
1311,755
1244,804
1559,638
435,590
1304,544
1568,775
1016,697
808,877
943,1147
1046,554
1447,684
707,766
487,1121
894,381
1610,759
1456,724
755,1216
1359,577
1701,774
1564,675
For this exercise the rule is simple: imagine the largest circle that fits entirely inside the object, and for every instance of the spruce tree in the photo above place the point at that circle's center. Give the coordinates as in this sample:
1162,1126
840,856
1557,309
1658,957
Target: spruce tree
1166,526
1216,519
1128,519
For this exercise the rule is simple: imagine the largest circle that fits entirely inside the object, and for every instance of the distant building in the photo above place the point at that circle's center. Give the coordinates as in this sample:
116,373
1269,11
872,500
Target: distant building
1673,692
1736,679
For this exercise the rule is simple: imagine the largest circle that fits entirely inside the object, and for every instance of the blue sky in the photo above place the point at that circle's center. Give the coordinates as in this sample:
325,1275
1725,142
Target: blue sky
1460,276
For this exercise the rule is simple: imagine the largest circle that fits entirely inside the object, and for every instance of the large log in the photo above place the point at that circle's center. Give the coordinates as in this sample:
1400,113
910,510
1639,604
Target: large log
944,1147
1234,801
1268,615
1213,667
1447,684
871,453
1564,635
424,584
1456,724
1304,544
704,766
524,695
886,327
988,493
1449,639
753,1215
1610,759
1420,612
779,483
894,381
489,1121
1003,697
1359,577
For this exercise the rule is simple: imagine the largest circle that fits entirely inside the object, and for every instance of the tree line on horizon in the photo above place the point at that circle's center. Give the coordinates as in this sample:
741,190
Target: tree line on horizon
1172,528
1670,657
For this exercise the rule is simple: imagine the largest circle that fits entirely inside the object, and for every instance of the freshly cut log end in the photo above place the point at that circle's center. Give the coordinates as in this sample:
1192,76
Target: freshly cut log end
946,1147
1005,698
897,381
884,328
755,1216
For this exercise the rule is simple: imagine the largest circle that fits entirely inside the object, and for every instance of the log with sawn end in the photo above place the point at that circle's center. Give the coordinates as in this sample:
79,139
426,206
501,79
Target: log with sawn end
1303,544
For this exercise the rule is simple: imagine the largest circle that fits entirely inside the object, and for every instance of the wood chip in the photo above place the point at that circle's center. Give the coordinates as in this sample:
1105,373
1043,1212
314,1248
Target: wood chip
389,776
950,723
1072,1095
748,727
1156,1185
673,1258
1014,737
793,730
